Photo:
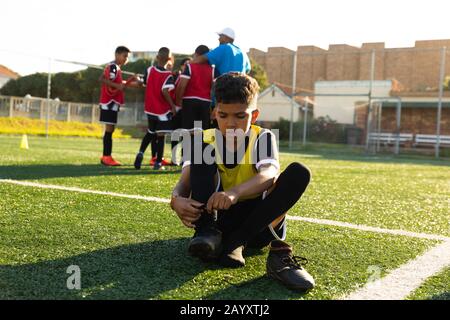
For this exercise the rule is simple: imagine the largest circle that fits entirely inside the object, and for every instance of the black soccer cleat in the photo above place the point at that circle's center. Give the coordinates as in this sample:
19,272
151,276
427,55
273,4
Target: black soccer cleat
138,160
206,243
286,268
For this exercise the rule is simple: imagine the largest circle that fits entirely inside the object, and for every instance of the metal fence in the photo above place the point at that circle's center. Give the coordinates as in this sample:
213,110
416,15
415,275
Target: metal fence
39,108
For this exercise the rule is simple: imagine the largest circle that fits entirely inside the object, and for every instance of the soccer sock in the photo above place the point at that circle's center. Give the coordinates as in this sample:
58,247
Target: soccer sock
159,149
202,181
290,186
107,144
202,186
154,147
149,137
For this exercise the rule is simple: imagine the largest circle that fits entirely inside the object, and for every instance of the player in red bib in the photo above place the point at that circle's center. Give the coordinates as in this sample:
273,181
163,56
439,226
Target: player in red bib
194,92
159,107
176,120
112,98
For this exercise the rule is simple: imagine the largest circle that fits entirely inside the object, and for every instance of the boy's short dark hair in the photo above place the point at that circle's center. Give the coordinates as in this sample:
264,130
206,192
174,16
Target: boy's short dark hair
122,49
235,87
164,53
201,50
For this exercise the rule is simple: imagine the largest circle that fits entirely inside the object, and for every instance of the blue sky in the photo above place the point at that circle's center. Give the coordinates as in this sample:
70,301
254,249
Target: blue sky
89,31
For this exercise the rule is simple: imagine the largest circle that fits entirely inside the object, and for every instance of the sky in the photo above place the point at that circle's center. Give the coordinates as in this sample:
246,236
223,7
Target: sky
89,30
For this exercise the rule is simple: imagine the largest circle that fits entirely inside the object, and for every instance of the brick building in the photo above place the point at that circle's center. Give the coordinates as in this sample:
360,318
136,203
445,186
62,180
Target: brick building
416,68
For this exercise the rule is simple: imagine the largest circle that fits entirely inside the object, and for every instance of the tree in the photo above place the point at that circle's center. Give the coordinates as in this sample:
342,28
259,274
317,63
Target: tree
89,86
35,85
66,86
79,86
259,74
138,66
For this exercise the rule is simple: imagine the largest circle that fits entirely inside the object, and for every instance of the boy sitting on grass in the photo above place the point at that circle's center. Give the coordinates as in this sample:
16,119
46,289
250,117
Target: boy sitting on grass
237,198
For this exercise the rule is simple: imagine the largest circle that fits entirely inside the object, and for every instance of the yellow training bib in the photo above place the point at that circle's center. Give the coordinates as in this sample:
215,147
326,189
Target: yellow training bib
244,170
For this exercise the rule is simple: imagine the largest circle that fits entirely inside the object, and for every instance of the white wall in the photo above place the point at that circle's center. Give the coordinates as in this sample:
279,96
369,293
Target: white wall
342,109
3,80
272,108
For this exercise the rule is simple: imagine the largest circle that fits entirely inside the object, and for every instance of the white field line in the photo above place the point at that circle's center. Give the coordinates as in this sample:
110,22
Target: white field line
293,218
74,189
398,284
371,229
395,286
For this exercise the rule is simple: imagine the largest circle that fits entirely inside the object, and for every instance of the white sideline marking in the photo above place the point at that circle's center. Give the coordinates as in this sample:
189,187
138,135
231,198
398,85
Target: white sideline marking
395,286
371,229
398,284
74,189
294,218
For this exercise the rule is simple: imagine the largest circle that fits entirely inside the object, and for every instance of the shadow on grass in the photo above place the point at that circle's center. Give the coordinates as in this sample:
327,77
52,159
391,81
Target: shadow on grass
261,288
441,296
137,271
27,172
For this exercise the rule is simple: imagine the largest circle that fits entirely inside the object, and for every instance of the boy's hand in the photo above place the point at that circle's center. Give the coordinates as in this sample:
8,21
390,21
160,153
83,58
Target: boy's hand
222,200
133,78
188,210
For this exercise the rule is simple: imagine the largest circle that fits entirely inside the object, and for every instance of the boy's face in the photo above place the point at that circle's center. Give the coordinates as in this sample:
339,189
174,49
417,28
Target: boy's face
234,116
223,39
169,65
122,58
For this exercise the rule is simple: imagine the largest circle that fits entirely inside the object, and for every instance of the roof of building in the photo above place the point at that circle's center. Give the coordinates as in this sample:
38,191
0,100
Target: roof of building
4,71
287,92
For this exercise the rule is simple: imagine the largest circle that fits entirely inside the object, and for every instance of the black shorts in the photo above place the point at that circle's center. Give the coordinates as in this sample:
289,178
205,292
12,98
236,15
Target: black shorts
231,219
196,110
177,120
156,125
109,112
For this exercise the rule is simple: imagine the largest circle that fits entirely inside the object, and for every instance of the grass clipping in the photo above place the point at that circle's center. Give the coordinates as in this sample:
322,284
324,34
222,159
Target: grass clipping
55,128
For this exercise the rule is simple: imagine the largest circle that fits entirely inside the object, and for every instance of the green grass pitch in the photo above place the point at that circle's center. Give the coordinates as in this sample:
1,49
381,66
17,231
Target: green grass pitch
135,249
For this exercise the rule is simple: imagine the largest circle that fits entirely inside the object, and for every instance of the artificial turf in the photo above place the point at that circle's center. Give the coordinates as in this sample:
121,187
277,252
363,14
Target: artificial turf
434,288
134,249
129,249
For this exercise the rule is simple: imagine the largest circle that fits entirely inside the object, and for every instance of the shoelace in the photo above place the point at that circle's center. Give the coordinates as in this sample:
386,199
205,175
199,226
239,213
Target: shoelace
295,261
